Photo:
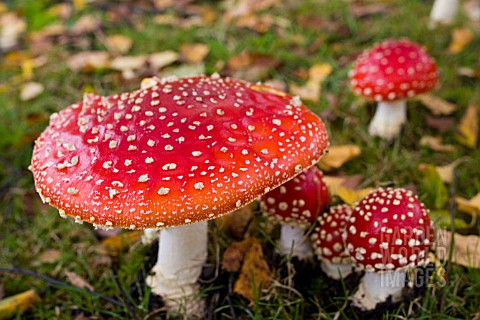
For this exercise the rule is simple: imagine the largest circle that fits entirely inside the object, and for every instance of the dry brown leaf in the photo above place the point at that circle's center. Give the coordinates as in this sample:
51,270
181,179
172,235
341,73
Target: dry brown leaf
461,37
442,124
255,271
31,90
360,9
466,250
338,155
436,144
162,59
436,105
10,306
86,24
468,127
120,242
194,52
235,223
128,65
234,254
88,61
471,206
11,26
50,256
78,281
118,43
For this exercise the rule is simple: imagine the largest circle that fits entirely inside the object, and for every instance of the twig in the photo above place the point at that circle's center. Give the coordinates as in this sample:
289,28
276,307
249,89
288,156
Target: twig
60,284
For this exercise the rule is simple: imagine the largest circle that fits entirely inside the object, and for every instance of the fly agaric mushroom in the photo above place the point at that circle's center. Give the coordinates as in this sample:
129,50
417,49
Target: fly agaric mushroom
296,205
389,73
443,12
388,232
328,242
172,155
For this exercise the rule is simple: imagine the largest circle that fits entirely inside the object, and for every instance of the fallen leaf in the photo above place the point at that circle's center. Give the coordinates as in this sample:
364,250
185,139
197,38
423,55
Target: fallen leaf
128,65
361,9
194,52
118,43
251,66
234,254
185,70
445,172
31,90
436,144
436,105
471,206
442,219
311,90
351,196
162,59
338,155
88,61
468,72
442,124
461,37
11,26
86,24
78,281
10,306
236,222
468,128
255,274
120,242
466,250
50,256
434,191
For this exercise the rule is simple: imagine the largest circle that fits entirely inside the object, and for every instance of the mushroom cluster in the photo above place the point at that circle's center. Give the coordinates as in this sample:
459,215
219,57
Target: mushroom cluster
389,73
175,153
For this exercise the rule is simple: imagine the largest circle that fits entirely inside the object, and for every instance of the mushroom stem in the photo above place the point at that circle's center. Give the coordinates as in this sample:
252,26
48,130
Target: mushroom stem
149,235
376,287
182,251
388,119
443,11
293,241
336,271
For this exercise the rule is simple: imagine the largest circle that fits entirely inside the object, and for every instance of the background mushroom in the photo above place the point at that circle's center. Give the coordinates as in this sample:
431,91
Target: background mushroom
388,232
328,241
296,205
443,12
389,73
172,155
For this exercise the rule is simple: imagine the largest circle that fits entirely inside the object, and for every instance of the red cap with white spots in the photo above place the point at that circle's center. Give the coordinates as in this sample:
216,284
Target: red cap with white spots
329,237
299,201
389,229
393,70
176,151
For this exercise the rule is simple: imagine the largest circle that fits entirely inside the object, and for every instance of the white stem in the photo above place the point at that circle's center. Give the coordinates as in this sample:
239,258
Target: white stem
182,251
388,119
336,271
443,11
293,241
376,287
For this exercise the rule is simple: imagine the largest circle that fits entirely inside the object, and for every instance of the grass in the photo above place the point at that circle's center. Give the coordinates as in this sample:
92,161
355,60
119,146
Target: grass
303,34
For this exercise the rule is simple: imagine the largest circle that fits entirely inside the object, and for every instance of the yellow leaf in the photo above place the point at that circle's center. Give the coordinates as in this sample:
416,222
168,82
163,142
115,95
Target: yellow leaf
445,172
350,196
255,273
10,306
466,250
461,37
436,105
319,72
338,155
435,143
27,69
79,4
122,241
118,43
468,128
194,52
313,87
471,206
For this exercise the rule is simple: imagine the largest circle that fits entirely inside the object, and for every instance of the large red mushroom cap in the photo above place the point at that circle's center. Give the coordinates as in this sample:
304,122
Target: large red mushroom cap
174,152
299,201
328,238
388,230
393,70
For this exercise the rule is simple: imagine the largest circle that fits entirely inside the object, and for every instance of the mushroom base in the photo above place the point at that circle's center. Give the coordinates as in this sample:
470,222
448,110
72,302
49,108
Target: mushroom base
388,119
182,252
294,242
376,287
443,12
336,271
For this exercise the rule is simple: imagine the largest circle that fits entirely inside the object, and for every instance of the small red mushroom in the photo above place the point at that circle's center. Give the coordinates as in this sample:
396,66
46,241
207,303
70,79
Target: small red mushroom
296,205
328,241
389,73
388,233
175,153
